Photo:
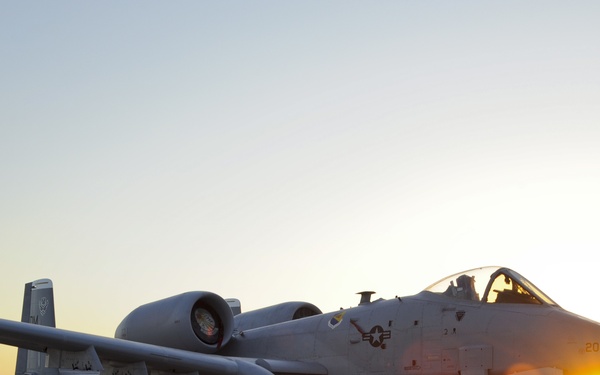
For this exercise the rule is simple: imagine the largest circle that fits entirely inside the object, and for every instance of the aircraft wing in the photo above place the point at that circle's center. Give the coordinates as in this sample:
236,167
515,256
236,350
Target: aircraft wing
97,352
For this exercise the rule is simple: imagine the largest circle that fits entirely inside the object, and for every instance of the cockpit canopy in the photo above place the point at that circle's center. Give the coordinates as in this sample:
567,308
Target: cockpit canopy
491,285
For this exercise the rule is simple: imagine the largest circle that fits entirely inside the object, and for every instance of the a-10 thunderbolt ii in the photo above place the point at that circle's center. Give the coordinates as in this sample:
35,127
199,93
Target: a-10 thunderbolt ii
484,321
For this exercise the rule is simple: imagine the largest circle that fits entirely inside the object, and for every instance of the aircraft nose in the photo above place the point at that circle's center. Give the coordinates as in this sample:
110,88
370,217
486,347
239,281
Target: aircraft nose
580,339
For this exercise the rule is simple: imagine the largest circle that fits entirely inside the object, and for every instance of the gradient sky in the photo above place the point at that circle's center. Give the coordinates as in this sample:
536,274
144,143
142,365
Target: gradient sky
275,151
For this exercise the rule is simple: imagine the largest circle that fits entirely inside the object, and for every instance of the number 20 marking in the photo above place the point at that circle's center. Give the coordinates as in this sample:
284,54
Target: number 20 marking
592,347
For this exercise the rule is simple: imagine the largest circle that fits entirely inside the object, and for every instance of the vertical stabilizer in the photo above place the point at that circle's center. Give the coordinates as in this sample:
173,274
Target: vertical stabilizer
38,308
235,305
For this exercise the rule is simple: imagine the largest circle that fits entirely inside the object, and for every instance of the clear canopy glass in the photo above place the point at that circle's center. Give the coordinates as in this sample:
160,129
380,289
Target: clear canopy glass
491,285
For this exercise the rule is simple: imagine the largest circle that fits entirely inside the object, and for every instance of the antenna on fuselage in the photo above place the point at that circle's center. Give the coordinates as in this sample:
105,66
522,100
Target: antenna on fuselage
365,298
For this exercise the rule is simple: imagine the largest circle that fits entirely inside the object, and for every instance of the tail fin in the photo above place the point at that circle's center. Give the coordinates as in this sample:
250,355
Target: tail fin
38,308
235,305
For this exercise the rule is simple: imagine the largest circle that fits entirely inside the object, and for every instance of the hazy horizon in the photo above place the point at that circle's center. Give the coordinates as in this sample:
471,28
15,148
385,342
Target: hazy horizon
274,151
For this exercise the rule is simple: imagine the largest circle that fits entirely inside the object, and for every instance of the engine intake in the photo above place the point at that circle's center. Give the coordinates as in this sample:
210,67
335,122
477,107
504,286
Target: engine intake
196,321
275,314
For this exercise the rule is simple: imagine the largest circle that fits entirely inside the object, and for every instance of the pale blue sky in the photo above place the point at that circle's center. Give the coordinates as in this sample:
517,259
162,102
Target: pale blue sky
294,150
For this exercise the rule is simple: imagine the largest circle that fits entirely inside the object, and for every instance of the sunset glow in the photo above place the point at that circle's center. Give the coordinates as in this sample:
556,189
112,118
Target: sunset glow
305,151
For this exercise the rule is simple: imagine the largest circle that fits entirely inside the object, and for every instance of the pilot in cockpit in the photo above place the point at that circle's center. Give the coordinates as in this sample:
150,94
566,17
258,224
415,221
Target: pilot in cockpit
464,289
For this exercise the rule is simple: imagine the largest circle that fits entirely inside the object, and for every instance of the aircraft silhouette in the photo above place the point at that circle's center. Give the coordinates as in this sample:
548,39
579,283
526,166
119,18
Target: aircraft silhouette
485,321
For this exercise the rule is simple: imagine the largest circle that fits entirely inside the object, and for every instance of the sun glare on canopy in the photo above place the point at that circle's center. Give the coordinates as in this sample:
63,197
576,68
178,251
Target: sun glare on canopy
491,285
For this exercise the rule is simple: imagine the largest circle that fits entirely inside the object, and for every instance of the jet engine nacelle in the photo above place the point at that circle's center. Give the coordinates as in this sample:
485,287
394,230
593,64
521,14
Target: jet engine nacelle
280,313
195,321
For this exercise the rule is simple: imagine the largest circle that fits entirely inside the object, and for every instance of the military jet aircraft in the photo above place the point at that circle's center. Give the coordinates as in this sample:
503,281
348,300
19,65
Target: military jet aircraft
486,321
